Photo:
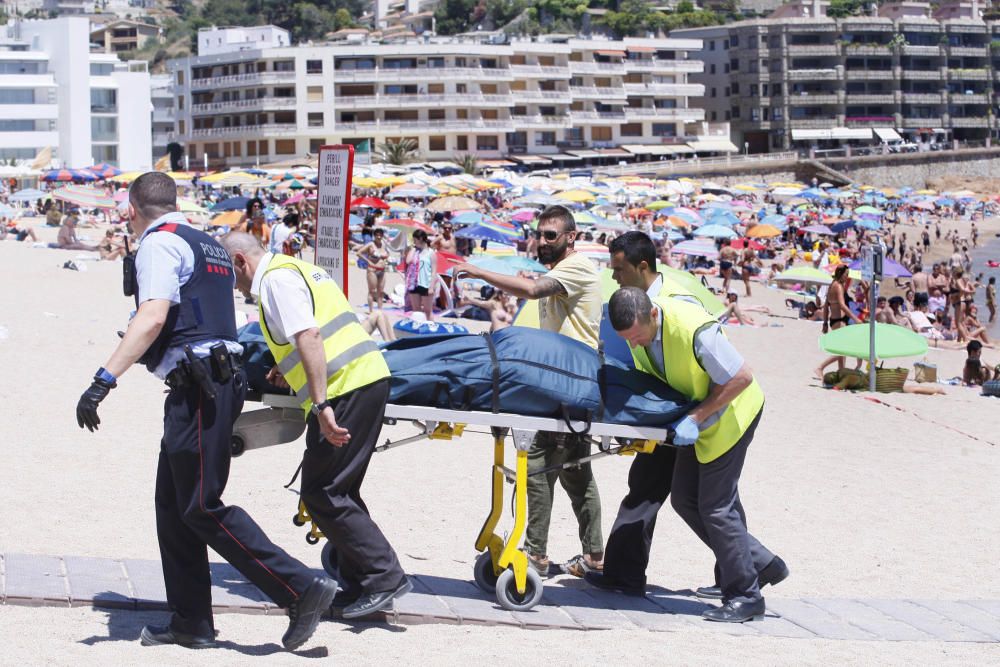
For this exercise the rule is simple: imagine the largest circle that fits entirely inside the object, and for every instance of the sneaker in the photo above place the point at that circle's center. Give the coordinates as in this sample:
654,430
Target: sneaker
304,613
539,564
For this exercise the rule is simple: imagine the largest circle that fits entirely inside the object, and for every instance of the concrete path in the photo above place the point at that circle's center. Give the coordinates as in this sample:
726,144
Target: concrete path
568,603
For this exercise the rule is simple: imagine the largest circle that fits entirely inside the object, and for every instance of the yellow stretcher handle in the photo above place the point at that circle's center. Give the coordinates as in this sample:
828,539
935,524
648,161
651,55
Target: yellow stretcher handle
638,446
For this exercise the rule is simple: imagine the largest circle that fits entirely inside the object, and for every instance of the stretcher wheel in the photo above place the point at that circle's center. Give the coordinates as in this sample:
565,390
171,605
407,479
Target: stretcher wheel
510,599
297,520
483,572
330,561
237,445
311,539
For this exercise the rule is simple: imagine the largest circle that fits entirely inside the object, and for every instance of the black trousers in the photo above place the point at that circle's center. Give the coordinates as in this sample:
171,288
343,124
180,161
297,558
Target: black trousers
331,489
626,555
706,496
190,515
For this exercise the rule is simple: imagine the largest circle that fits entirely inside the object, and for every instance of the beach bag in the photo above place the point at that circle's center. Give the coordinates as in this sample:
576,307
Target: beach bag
991,388
889,380
924,372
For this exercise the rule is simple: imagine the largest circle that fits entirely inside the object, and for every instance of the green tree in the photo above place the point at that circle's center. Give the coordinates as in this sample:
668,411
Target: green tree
398,152
453,16
468,162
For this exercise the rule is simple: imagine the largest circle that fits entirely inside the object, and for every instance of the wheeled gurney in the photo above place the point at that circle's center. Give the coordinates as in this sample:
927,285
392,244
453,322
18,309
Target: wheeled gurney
501,568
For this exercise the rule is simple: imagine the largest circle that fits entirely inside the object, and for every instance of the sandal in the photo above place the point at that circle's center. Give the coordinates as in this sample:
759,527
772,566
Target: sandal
581,564
539,564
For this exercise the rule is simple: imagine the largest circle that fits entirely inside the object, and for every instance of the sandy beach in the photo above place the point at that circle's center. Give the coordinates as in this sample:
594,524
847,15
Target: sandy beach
875,499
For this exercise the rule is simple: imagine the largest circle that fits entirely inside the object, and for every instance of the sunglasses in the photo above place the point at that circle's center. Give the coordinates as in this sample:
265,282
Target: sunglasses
549,235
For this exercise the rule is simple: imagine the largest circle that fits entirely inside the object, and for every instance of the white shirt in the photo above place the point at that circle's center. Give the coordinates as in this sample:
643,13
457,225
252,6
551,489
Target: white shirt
163,263
285,300
279,234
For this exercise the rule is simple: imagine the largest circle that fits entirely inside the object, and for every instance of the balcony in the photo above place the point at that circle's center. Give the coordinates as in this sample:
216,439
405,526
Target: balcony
871,98
922,98
657,113
418,101
922,122
911,50
665,89
831,74
241,80
869,75
597,117
970,51
272,129
922,74
978,74
256,104
975,98
813,50
540,72
541,96
424,74
539,122
595,93
455,125
670,66
867,50
976,121
870,121
590,67
813,98
823,123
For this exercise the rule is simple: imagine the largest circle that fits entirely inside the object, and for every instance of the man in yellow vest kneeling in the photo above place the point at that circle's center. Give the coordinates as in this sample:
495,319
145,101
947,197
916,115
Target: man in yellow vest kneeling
682,345
342,382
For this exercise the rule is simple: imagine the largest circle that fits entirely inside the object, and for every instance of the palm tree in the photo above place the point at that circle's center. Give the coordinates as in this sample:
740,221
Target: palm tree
398,152
468,162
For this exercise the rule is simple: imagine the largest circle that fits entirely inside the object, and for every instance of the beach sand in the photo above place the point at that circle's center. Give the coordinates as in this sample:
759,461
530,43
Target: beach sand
862,499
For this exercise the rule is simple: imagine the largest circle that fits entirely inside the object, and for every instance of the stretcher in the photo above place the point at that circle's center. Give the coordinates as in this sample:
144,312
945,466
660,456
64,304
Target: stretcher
502,567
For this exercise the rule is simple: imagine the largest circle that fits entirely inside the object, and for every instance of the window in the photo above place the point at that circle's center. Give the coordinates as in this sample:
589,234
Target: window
734,64
17,96
776,89
99,153
630,130
105,100
777,113
713,92
315,145
251,148
315,119
600,134
435,62
736,88
753,90
725,69
766,113
545,138
711,45
725,45
734,41
17,126
435,89
735,112
714,116
726,91
461,143
314,67
103,128
763,90
180,78
754,114
728,117
664,130
284,146
437,143
435,114
284,66
18,67
711,68
180,102
487,142
101,69
314,94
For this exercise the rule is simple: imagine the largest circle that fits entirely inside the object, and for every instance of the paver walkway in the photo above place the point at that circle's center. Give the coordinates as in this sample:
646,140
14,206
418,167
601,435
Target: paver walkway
568,604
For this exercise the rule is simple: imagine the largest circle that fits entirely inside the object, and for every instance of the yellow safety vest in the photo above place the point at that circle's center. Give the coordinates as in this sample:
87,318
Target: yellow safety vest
681,323
353,359
672,288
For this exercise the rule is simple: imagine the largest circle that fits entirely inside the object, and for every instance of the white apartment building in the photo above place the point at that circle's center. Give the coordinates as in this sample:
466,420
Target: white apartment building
572,100
162,97
55,93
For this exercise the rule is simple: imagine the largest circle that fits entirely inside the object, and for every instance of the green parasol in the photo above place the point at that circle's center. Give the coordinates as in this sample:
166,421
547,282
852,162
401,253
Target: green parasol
890,341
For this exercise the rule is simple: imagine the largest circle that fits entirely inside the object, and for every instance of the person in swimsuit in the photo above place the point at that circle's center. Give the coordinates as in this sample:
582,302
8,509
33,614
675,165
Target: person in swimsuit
749,265
959,295
727,257
374,256
836,314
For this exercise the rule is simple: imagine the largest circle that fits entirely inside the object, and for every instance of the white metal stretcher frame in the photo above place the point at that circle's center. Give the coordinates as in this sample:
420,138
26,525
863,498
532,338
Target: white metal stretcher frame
502,567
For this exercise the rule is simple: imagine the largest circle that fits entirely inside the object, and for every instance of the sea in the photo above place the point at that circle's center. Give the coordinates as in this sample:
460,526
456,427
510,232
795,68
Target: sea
989,249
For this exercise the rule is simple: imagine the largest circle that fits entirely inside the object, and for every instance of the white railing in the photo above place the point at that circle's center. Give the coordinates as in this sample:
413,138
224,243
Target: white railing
595,92
529,122
694,163
598,115
689,114
540,71
242,105
589,67
665,89
274,128
244,79
468,99
503,125
430,74
676,66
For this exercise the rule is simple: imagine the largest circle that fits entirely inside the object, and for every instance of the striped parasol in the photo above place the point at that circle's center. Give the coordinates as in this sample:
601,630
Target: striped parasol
66,175
84,196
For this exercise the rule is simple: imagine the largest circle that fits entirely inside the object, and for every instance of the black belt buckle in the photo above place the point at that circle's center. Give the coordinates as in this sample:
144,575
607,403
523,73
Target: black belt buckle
221,362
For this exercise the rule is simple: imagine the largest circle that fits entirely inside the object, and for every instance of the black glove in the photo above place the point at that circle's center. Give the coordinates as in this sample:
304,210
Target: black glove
86,409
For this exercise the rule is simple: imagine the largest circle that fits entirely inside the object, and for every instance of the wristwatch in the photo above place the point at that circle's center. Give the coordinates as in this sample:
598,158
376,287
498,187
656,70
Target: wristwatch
319,407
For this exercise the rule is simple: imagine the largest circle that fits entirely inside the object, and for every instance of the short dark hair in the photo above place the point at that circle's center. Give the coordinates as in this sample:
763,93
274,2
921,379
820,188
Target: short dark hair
153,194
973,346
637,247
291,219
557,212
420,235
628,306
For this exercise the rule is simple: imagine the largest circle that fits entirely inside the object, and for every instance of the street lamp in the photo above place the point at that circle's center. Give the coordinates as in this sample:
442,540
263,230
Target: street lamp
746,147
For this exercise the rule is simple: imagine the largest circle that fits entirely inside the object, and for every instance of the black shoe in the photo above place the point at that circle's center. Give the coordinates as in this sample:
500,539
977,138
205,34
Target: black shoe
304,613
375,602
163,636
736,612
773,573
608,583
341,602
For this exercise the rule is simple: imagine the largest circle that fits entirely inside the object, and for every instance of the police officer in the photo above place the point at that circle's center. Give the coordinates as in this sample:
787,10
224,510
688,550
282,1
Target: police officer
184,332
342,382
682,345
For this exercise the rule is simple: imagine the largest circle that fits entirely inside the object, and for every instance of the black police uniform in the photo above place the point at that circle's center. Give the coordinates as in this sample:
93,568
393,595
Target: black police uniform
195,452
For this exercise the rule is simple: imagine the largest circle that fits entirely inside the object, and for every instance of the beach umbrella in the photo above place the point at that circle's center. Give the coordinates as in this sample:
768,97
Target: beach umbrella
944,201
66,175
594,251
676,221
468,218
716,232
226,219
588,218
515,263
524,215
673,235
657,205
822,230
84,196
231,204
890,268
890,341
744,243
406,224
763,231
868,223
612,225
454,204
28,194
696,248
842,226
188,206
870,210
577,196
368,202
294,184
484,233
104,170
804,274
